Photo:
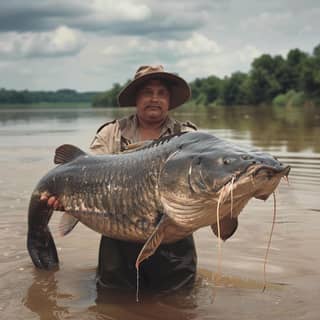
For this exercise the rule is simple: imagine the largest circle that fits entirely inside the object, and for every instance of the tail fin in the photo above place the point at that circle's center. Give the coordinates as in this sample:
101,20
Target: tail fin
40,243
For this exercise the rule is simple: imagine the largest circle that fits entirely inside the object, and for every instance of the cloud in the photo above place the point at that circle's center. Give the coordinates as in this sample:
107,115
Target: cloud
248,53
119,10
33,15
218,61
63,41
197,44
268,20
92,44
132,45
125,17
195,56
42,15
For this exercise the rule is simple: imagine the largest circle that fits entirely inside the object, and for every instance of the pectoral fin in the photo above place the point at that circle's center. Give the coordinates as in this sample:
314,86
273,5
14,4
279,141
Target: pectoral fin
228,226
153,241
67,223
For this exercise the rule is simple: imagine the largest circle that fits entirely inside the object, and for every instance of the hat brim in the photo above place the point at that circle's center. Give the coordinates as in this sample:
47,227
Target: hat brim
180,91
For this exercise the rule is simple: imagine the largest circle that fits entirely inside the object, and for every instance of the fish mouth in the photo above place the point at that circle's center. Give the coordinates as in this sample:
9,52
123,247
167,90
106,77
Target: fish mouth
266,179
261,170
270,177
272,171
257,180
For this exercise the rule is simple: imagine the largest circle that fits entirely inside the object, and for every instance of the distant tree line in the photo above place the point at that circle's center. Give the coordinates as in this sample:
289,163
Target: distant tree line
271,80
294,80
63,95
109,97
276,80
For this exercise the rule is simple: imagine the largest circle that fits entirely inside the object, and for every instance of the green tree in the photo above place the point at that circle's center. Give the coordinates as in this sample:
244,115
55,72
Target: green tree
265,79
296,60
316,51
108,98
206,91
310,77
234,91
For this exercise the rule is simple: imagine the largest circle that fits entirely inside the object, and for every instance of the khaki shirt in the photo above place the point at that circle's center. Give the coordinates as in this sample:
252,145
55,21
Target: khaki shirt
115,136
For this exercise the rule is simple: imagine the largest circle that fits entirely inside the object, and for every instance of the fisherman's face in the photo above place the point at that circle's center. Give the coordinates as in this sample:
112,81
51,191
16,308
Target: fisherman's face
152,102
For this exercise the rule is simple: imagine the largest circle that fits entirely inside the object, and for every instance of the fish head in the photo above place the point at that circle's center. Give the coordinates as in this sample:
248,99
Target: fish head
202,173
225,164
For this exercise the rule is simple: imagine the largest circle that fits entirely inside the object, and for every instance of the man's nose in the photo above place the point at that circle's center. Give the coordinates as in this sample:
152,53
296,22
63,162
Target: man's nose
154,96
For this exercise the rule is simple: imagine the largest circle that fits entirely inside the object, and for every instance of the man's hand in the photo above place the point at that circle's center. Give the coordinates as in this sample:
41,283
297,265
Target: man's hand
52,202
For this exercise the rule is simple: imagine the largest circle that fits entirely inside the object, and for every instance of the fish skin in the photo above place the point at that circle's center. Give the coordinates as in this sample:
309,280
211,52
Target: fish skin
160,192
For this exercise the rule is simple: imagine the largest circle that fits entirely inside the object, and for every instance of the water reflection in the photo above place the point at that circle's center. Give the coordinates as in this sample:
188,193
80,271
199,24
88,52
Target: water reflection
42,297
122,305
64,115
296,129
46,299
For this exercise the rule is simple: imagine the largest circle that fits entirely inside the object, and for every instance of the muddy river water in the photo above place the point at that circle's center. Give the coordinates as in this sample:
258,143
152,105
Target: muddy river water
27,142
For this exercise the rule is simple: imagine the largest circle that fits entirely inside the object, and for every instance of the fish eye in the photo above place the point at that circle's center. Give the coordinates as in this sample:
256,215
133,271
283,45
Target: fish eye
246,157
226,161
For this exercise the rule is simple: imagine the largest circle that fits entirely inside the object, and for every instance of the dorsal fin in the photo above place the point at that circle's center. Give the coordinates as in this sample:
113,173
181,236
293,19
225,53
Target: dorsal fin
154,143
67,153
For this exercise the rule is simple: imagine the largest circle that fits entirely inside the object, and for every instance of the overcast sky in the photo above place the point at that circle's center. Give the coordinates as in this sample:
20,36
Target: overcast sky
89,45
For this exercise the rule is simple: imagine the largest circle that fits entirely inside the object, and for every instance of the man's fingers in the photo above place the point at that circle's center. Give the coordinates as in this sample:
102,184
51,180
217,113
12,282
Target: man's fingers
44,197
56,205
51,201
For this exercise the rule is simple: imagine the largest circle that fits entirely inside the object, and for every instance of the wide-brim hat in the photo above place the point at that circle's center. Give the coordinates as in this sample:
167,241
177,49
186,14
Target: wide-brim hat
180,91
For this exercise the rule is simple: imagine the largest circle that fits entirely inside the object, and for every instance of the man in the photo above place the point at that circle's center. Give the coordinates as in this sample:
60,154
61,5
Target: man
153,92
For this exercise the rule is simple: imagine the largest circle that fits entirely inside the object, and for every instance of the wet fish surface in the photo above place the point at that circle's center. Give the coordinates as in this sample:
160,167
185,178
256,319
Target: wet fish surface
158,193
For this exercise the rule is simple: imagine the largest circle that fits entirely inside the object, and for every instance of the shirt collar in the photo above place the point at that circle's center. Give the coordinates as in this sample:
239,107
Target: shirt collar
130,130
